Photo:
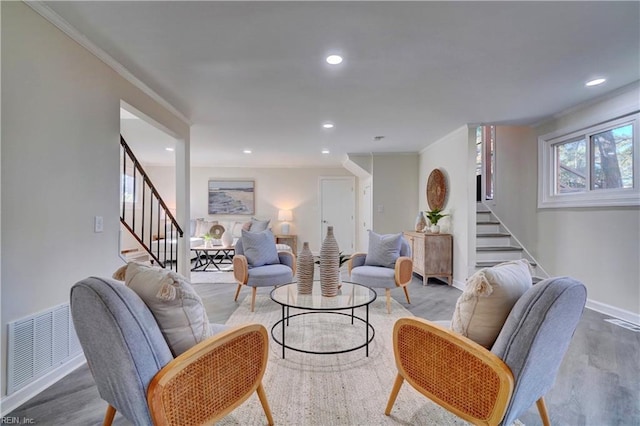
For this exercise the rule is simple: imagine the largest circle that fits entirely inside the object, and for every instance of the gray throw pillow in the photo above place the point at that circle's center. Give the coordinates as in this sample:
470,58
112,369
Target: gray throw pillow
260,248
258,225
384,250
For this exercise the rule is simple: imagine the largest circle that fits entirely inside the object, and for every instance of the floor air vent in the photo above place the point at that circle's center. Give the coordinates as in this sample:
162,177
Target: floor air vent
38,344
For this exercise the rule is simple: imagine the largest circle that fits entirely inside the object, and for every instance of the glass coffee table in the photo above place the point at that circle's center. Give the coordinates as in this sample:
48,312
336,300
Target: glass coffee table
350,297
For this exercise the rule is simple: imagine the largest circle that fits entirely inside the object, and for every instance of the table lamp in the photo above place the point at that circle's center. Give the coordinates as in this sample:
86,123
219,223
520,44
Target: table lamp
285,216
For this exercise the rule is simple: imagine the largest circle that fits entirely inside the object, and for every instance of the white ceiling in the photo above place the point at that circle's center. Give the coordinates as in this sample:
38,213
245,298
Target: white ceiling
251,75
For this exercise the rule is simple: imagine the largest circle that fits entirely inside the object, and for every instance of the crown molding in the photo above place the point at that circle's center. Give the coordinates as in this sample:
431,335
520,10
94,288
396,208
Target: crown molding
47,13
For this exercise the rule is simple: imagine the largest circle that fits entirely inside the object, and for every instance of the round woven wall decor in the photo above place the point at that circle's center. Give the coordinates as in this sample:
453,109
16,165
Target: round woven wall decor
436,190
216,231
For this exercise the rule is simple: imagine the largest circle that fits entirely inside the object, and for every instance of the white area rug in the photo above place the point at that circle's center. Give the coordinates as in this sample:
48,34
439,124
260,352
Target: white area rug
341,389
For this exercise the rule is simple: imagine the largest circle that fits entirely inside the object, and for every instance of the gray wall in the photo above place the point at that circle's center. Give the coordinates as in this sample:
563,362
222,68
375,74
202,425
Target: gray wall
599,246
516,174
60,163
394,186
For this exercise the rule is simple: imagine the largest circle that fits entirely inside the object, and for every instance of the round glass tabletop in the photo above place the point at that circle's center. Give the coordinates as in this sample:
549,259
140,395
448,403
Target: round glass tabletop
350,295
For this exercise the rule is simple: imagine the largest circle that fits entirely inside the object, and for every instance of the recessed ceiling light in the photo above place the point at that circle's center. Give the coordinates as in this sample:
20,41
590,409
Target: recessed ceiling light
327,125
247,151
595,82
169,149
334,59
325,151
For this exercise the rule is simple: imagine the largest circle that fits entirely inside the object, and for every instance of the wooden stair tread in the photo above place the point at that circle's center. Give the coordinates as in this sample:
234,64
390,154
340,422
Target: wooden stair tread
499,248
494,235
489,264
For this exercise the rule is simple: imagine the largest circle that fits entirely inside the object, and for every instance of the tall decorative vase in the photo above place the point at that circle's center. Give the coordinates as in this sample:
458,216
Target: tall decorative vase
304,269
329,265
227,239
421,222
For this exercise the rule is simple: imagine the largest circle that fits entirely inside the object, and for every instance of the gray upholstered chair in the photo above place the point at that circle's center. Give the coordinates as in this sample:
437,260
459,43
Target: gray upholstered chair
269,275
138,376
492,387
383,277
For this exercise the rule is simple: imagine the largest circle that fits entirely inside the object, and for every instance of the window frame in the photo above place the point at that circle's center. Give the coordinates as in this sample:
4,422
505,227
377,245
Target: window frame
548,197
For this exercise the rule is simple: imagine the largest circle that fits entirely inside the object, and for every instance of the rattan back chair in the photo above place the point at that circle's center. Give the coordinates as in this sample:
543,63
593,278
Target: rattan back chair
220,374
492,387
137,375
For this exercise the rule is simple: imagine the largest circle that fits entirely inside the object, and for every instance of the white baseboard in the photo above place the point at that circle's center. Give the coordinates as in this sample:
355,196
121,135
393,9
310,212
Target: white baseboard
19,397
622,314
460,285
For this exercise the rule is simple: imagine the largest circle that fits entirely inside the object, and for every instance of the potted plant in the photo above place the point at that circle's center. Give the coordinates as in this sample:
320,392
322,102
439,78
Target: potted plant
208,240
434,217
342,259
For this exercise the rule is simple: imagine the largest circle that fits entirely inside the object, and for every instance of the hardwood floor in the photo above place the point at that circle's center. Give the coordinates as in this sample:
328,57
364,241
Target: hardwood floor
598,383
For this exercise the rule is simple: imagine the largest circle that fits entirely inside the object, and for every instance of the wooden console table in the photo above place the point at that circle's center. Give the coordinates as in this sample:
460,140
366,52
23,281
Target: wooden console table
432,255
290,239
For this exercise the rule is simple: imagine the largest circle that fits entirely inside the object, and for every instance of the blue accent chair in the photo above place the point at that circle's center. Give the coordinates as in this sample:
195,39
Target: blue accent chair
262,276
136,373
381,277
492,387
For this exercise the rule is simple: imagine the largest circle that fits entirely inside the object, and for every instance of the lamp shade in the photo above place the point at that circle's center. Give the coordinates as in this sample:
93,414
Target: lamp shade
285,215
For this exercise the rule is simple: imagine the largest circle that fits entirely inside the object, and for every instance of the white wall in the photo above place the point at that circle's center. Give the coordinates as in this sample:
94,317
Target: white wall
599,246
454,155
394,187
295,189
60,163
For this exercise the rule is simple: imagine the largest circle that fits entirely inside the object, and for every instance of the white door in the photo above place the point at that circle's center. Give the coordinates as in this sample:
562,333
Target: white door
337,201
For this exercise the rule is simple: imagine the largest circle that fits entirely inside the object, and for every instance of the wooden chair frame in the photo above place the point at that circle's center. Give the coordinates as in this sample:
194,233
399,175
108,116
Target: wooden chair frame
451,370
211,379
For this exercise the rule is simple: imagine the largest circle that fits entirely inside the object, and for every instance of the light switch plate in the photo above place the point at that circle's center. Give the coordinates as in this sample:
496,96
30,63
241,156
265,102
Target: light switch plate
98,224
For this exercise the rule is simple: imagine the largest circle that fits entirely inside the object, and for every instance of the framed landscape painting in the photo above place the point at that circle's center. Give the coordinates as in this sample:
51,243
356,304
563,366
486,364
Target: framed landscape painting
231,196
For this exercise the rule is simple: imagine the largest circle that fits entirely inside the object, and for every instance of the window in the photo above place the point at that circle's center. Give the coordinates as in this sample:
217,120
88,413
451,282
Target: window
596,166
127,184
485,164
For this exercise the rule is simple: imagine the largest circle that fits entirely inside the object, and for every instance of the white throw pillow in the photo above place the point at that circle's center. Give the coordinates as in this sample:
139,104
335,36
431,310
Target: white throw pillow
175,305
204,227
485,303
237,227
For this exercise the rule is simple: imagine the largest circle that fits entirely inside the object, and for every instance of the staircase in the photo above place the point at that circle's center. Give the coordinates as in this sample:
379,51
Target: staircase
494,244
145,215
